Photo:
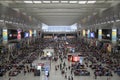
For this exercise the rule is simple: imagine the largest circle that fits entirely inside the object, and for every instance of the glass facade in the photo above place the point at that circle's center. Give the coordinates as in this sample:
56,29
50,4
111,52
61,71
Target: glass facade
72,28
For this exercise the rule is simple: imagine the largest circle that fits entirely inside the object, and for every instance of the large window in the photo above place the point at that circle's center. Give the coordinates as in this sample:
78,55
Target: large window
72,28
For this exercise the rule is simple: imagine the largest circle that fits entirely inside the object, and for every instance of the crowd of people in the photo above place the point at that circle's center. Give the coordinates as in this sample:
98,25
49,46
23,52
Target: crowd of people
20,60
102,64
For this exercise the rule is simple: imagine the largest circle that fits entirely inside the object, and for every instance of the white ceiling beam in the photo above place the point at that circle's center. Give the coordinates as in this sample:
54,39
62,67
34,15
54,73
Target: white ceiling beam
57,14
60,6
59,10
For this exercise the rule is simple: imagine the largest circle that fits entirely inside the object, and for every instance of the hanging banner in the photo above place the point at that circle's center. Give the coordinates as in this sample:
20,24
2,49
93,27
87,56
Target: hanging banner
114,35
35,33
5,35
100,34
84,33
19,34
30,31
88,33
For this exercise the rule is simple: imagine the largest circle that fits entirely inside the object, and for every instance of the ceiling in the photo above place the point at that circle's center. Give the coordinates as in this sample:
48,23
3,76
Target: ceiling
59,12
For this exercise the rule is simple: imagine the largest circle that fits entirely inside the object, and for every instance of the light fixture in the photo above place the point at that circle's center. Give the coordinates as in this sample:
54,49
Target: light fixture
28,2
64,1
108,21
91,2
55,1
112,21
72,1
18,2
82,2
100,1
117,20
37,2
46,1
1,20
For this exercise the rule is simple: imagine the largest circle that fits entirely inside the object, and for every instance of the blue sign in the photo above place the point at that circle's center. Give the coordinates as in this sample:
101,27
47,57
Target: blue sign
47,68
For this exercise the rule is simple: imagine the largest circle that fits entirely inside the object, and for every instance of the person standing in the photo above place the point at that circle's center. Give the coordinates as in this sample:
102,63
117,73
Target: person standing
66,68
71,71
65,76
24,71
68,77
95,75
64,64
71,77
69,67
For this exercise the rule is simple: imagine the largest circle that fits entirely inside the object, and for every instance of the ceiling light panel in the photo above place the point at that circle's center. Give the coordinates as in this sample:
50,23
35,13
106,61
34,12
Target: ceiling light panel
28,2
100,1
46,1
19,1
37,2
64,1
55,1
91,2
73,1
7,1
82,2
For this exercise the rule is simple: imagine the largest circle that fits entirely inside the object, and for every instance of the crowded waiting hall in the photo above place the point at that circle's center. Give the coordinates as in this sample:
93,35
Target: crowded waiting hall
59,39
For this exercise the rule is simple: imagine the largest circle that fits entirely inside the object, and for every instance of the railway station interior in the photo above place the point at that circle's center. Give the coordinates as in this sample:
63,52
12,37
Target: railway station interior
59,39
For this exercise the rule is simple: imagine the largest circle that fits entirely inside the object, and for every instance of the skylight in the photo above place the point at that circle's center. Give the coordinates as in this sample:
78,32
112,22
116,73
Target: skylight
28,2
37,2
82,2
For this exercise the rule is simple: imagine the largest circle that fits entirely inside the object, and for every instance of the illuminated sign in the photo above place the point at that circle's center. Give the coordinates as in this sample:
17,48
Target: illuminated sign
100,34
35,33
84,33
19,34
30,31
88,33
5,35
114,35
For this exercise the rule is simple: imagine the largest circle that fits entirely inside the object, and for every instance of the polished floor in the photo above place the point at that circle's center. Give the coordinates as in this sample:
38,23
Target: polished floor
56,75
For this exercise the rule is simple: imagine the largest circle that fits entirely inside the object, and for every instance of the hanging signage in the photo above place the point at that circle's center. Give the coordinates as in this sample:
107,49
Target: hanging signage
5,35
30,31
35,33
84,33
19,34
114,35
100,34
88,33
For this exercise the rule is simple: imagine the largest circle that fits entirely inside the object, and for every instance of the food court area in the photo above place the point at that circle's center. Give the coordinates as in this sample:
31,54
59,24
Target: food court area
70,59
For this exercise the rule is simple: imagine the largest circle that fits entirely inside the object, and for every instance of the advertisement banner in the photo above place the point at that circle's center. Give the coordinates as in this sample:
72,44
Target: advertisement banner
114,35
84,33
5,35
30,31
100,34
88,33
19,34
35,33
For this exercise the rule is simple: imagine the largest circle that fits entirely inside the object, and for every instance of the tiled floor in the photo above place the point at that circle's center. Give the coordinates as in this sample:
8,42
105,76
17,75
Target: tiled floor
56,75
